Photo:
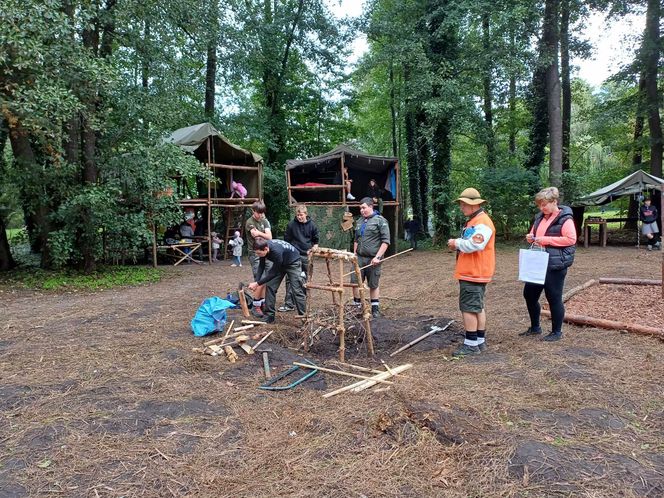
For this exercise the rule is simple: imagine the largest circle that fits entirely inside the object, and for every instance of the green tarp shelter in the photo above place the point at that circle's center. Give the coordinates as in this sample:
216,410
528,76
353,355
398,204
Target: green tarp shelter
223,151
634,183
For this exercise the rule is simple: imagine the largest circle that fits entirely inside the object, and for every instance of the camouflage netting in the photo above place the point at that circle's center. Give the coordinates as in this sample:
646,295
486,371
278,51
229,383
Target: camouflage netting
328,220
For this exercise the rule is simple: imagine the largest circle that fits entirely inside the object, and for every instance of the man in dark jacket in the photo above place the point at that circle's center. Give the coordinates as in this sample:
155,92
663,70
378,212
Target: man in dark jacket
648,215
285,260
302,234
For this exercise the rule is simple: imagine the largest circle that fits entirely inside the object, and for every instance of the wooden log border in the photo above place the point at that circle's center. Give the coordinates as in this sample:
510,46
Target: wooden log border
609,324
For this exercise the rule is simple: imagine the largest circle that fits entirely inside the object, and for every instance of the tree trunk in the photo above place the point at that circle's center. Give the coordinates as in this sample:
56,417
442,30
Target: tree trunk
538,134
393,113
211,65
486,83
6,260
441,168
273,79
550,38
443,48
422,166
637,152
651,49
512,98
413,172
35,211
566,84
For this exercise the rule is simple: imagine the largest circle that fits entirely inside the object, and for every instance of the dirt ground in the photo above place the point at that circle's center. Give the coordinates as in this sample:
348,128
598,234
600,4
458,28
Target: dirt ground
101,395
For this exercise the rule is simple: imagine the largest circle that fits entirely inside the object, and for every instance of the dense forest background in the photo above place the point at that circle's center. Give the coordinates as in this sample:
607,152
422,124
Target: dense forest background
463,92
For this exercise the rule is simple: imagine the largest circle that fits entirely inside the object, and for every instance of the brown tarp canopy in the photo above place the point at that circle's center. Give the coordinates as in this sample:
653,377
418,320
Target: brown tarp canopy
353,160
193,139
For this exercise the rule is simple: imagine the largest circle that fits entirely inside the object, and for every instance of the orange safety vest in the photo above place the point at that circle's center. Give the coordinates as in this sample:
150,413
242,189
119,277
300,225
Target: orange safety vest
478,266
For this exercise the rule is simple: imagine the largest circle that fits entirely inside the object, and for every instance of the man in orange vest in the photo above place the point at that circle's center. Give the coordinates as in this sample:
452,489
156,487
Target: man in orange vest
475,266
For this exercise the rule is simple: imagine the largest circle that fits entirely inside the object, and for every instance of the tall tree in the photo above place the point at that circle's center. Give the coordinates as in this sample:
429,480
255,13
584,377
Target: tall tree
650,53
6,259
550,37
487,79
443,53
565,81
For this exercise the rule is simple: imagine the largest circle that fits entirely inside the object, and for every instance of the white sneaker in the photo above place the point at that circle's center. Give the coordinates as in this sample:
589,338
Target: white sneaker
234,264
350,196
240,264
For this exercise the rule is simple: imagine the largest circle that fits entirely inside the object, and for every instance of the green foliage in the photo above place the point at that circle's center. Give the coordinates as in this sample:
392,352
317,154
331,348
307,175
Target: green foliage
508,192
70,280
276,199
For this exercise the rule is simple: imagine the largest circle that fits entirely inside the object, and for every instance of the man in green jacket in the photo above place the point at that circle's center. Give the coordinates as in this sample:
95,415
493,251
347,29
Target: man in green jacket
372,238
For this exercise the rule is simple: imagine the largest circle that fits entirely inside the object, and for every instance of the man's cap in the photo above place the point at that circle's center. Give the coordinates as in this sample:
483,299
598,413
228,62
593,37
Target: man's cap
470,196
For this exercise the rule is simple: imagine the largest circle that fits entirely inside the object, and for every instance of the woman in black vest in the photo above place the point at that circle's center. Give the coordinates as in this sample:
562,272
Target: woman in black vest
554,230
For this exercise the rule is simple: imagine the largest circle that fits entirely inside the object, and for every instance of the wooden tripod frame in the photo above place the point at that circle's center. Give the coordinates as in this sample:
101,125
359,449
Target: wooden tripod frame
337,290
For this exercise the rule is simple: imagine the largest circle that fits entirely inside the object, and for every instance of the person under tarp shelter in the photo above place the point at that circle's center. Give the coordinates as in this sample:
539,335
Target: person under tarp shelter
237,182
633,184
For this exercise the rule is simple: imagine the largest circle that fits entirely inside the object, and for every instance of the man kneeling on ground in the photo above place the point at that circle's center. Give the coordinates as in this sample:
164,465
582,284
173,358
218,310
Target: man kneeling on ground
285,260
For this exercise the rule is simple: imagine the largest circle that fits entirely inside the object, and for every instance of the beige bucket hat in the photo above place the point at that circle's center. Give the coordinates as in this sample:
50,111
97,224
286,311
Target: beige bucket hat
470,196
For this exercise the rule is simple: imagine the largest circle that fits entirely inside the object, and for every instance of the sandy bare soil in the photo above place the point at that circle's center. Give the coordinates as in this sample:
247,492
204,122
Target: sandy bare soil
101,395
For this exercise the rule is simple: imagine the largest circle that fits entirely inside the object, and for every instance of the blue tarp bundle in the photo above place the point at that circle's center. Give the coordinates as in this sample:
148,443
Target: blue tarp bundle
211,316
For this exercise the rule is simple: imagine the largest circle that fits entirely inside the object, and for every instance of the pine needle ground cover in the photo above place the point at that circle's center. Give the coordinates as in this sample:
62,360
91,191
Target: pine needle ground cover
101,395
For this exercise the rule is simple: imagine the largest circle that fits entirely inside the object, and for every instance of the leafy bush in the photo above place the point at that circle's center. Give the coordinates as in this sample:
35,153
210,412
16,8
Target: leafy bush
508,192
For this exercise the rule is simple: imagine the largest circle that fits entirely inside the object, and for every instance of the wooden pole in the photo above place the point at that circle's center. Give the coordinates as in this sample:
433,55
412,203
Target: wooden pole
329,276
341,327
382,261
209,203
661,231
366,314
629,281
382,376
324,287
154,245
263,339
341,372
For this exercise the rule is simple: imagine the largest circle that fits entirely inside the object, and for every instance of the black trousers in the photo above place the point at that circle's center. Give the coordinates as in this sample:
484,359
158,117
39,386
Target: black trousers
293,271
553,290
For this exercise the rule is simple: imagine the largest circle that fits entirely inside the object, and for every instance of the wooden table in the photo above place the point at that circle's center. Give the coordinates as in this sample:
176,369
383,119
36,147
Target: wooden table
181,254
587,231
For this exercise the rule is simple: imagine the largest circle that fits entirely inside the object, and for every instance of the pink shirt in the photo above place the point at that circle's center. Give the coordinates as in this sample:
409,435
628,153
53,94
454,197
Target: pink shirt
567,235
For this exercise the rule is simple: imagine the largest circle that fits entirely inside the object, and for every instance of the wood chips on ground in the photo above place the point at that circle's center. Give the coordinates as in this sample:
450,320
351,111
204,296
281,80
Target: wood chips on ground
638,304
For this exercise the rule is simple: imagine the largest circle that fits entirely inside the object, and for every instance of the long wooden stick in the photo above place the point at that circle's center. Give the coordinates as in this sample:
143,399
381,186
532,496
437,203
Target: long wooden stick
629,281
218,340
379,378
263,339
382,261
355,385
415,341
339,372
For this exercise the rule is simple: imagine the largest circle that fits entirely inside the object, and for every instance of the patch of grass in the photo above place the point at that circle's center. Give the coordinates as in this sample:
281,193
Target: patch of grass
105,278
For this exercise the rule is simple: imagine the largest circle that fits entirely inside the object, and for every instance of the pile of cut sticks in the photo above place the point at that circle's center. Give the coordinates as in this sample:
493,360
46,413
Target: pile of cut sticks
239,337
